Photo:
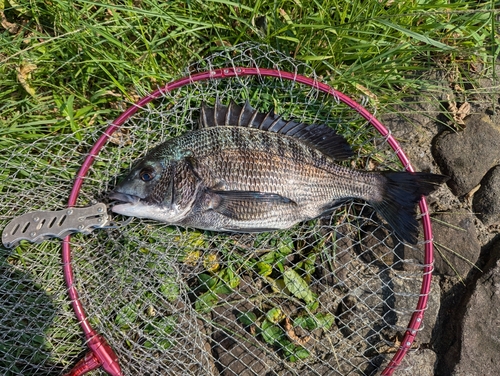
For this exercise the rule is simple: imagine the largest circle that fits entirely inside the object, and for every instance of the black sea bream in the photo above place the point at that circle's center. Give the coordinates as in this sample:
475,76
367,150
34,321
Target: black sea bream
247,171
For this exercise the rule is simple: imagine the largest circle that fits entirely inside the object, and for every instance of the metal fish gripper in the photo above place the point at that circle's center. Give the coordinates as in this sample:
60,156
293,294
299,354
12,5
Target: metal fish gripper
41,225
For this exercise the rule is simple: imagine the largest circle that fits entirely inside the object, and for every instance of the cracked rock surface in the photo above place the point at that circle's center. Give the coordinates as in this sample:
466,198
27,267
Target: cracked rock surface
463,337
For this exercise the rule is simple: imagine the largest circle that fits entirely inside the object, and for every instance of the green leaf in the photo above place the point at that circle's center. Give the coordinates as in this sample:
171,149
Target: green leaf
205,302
268,258
163,326
313,306
320,320
285,246
207,281
306,322
291,39
230,277
169,288
222,289
162,344
271,333
158,333
325,320
275,315
314,58
127,315
299,353
309,265
297,286
247,318
83,111
264,269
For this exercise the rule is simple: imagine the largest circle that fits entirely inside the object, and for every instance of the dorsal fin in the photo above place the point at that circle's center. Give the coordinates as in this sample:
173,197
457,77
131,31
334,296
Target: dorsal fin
319,136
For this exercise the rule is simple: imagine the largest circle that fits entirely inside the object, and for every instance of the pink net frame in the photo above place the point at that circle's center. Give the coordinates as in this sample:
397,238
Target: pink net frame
100,353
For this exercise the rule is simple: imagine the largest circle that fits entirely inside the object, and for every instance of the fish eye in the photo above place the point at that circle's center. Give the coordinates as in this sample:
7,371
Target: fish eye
146,174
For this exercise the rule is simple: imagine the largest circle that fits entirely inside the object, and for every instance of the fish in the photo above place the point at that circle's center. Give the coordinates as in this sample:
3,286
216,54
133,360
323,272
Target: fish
242,170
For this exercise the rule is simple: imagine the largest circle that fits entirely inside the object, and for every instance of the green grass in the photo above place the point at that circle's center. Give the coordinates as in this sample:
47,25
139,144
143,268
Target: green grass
69,65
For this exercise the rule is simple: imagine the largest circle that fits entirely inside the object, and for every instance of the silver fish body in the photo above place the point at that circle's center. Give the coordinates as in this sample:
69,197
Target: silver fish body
247,171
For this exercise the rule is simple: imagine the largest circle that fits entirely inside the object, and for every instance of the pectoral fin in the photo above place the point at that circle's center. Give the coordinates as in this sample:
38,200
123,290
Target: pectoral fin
247,205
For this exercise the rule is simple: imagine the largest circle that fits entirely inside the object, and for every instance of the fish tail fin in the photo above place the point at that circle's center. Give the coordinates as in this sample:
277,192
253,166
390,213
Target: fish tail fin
401,192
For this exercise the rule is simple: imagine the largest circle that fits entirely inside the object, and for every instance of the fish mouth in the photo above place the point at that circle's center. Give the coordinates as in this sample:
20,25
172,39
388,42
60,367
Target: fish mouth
123,198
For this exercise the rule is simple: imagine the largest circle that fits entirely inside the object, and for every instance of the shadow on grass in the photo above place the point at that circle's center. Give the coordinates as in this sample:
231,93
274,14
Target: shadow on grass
26,313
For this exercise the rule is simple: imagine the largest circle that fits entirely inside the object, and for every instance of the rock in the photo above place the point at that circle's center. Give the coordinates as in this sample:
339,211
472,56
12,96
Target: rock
408,124
456,304
466,156
418,363
456,246
405,289
486,201
414,124
479,353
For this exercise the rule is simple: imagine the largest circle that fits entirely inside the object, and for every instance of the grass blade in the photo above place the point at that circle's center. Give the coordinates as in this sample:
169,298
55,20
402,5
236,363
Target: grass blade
420,37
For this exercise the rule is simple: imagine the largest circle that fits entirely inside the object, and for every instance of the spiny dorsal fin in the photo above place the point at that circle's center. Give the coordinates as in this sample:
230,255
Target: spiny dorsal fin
318,136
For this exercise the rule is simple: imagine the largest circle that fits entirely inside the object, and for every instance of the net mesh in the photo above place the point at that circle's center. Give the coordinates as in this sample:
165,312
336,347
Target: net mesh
330,296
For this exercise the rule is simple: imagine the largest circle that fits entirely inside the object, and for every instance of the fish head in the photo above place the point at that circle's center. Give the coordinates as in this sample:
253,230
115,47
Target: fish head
160,187
146,192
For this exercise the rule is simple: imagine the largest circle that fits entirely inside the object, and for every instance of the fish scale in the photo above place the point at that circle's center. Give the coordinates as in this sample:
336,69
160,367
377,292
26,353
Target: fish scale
268,172
247,171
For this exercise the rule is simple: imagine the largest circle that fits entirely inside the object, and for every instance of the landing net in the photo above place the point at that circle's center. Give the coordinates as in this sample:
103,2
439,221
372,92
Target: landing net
333,296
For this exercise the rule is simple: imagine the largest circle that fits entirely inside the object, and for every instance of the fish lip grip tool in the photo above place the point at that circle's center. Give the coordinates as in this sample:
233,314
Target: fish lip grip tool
41,225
